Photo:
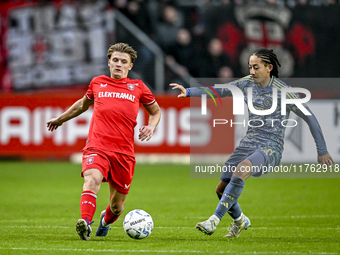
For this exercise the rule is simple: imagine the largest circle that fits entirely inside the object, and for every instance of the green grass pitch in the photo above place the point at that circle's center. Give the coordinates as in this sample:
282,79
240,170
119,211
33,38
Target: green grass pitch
39,207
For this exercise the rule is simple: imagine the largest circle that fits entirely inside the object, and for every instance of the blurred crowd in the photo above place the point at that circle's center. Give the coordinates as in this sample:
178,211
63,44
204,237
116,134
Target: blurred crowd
187,31
180,29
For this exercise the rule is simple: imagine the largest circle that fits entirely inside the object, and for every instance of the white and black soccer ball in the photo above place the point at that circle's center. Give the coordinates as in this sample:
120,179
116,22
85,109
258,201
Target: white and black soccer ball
138,224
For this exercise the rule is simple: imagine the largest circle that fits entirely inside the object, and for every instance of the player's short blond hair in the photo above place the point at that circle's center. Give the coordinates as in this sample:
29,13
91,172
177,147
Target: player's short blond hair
124,48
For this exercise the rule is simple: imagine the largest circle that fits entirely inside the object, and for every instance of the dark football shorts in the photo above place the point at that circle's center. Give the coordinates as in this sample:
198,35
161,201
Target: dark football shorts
263,159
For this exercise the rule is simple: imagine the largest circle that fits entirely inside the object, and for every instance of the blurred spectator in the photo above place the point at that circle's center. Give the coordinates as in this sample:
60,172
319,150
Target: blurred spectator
155,9
201,7
239,2
184,51
225,72
225,75
136,11
330,2
213,59
215,16
225,2
152,12
272,2
168,28
302,2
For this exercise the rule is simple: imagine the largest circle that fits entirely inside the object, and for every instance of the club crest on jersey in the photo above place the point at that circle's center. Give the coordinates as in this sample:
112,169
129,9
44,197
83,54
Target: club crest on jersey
268,101
131,86
89,160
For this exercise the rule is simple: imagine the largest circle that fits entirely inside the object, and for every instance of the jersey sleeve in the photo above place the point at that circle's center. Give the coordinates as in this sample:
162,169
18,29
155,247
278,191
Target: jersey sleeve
222,92
89,92
147,98
314,127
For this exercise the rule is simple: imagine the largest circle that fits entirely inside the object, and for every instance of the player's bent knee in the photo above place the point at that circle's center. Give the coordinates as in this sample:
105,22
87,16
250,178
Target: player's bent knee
117,208
92,179
243,169
92,185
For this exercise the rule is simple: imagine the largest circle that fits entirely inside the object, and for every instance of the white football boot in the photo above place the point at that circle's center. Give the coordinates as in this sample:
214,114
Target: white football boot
237,227
209,226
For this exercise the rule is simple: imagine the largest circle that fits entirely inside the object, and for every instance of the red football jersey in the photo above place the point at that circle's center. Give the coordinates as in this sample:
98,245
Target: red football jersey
116,104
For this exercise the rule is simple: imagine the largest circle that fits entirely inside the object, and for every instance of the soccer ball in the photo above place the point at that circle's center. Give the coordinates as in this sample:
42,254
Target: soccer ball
138,224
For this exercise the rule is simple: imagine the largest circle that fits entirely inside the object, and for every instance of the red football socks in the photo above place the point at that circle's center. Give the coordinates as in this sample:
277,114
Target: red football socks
88,205
110,217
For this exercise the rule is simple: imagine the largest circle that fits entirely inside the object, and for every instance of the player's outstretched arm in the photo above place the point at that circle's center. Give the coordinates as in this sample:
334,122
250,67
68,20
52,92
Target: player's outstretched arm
146,132
76,109
316,131
182,90
326,159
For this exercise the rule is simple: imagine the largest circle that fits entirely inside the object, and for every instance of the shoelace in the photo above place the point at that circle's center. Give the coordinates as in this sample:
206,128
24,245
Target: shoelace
212,223
234,227
104,229
88,222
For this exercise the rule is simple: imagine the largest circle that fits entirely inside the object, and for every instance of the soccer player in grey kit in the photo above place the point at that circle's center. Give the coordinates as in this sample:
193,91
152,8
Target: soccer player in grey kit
263,142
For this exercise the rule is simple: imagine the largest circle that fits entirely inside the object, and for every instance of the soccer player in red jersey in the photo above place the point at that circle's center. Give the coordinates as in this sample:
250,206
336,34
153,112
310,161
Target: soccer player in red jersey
109,152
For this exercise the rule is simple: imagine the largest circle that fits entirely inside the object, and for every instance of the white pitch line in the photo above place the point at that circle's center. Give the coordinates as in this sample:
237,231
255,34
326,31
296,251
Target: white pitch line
35,226
281,217
162,251
168,227
205,217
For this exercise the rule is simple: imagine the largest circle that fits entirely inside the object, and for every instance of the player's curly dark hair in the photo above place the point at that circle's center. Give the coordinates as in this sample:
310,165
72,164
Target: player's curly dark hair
269,58
124,48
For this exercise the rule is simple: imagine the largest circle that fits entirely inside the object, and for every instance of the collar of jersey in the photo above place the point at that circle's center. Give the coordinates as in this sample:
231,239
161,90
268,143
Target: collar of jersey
269,87
124,80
